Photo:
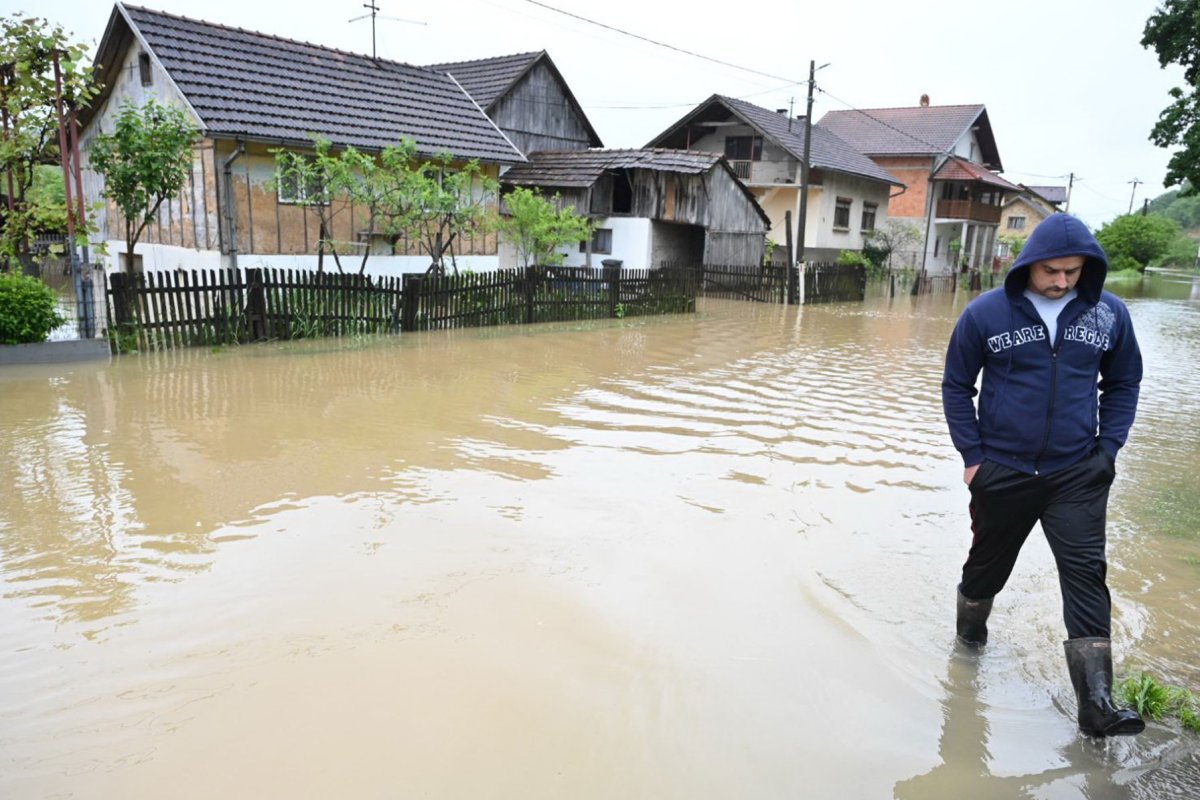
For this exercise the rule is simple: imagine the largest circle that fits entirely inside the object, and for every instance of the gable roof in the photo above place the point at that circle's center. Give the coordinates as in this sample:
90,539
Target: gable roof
959,169
1030,201
918,130
487,80
828,151
579,169
243,84
1051,194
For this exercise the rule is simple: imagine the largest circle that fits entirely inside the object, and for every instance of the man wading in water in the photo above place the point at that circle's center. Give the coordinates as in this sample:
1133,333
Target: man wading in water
1044,442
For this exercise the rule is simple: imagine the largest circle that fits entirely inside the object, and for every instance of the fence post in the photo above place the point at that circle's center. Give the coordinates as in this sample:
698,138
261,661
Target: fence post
410,295
529,288
256,305
612,276
122,294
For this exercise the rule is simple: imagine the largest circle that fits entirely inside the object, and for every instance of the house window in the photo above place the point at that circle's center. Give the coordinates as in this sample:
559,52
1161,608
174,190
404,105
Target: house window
841,214
743,148
601,242
144,70
622,198
868,216
937,245
1016,223
296,188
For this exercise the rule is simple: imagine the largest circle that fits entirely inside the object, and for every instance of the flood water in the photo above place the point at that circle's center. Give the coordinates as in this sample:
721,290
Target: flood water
701,556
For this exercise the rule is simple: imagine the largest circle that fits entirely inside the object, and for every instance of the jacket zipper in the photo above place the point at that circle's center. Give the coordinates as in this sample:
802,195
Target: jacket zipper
1037,463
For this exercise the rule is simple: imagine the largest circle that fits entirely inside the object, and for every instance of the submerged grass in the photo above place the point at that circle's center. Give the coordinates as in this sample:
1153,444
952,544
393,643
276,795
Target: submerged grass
1155,700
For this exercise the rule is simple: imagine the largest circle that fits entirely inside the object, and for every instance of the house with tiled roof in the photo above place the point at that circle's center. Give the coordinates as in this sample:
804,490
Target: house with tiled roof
650,207
1024,211
249,93
848,192
948,159
528,99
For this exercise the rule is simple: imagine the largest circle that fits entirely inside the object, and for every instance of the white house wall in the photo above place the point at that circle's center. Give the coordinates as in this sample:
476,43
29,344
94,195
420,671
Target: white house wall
859,191
968,147
631,243
196,223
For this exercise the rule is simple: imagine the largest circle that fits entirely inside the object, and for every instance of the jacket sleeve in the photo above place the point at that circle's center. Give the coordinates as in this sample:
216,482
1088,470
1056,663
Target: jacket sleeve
1120,382
964,360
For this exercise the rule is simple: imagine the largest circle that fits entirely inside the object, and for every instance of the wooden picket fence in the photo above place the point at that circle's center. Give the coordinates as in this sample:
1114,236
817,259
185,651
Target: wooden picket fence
163,310
831,283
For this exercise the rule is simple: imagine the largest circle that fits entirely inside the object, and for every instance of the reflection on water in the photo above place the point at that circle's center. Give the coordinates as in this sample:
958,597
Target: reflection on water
709,548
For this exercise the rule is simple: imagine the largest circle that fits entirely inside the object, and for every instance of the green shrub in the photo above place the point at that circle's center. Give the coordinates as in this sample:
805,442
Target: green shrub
1124,264
28,309
852,258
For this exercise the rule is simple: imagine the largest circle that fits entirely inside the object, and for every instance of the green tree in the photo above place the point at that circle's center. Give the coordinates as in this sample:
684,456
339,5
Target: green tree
537,227
450,204
144,162
1142,238
28,46
319,182
1173,31
893,236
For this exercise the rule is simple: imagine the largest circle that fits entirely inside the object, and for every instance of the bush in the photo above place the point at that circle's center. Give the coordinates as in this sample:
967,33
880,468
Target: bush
1181,253
28,310
1124,264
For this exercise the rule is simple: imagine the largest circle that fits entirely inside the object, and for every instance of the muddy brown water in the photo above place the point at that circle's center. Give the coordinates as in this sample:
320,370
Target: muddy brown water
703,556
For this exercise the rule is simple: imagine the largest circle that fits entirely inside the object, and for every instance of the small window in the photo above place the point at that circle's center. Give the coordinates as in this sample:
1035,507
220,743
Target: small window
296,189
743,148
937,245
868,216
601,242
1016,223
841,214
144,69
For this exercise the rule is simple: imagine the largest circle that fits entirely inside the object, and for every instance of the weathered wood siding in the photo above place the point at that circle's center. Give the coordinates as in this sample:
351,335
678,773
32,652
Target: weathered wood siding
266,226
188,220
536,115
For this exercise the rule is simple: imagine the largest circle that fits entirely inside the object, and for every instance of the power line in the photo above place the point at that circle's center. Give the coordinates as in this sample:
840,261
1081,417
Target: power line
658,43
652,106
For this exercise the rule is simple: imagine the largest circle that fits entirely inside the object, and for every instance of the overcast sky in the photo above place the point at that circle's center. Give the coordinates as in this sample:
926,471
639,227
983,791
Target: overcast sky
1066,83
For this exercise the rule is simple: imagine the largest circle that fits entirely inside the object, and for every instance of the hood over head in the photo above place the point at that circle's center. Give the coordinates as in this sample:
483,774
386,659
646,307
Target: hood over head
1061,235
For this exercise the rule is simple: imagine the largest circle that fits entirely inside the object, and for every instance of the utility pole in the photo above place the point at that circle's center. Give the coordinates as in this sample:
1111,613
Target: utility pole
793,293
1070,184
1135,183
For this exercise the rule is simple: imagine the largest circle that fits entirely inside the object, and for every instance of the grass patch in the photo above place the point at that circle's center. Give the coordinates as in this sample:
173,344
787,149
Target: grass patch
1123,275
1156,701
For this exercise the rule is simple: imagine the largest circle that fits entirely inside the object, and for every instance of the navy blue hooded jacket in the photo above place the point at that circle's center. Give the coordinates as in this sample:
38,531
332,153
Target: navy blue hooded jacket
1040,406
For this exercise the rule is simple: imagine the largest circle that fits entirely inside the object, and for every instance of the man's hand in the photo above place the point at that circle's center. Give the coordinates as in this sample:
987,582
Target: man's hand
969,474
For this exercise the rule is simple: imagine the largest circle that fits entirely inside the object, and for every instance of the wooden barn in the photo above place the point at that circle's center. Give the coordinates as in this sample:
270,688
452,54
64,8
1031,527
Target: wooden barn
650,207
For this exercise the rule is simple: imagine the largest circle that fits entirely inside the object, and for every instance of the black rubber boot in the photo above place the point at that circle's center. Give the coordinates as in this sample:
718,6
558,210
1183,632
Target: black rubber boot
1089,661
972,620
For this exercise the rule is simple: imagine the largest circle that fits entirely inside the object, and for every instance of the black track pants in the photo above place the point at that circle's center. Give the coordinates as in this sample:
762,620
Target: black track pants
1071,505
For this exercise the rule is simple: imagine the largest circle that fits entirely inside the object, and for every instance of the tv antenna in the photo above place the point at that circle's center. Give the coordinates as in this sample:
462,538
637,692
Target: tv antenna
375,13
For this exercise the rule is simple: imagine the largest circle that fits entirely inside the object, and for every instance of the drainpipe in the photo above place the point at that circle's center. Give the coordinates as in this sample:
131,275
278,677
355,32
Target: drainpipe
230,215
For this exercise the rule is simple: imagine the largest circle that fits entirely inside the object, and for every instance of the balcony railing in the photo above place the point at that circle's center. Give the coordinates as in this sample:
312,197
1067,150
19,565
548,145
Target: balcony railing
741,169
968,209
